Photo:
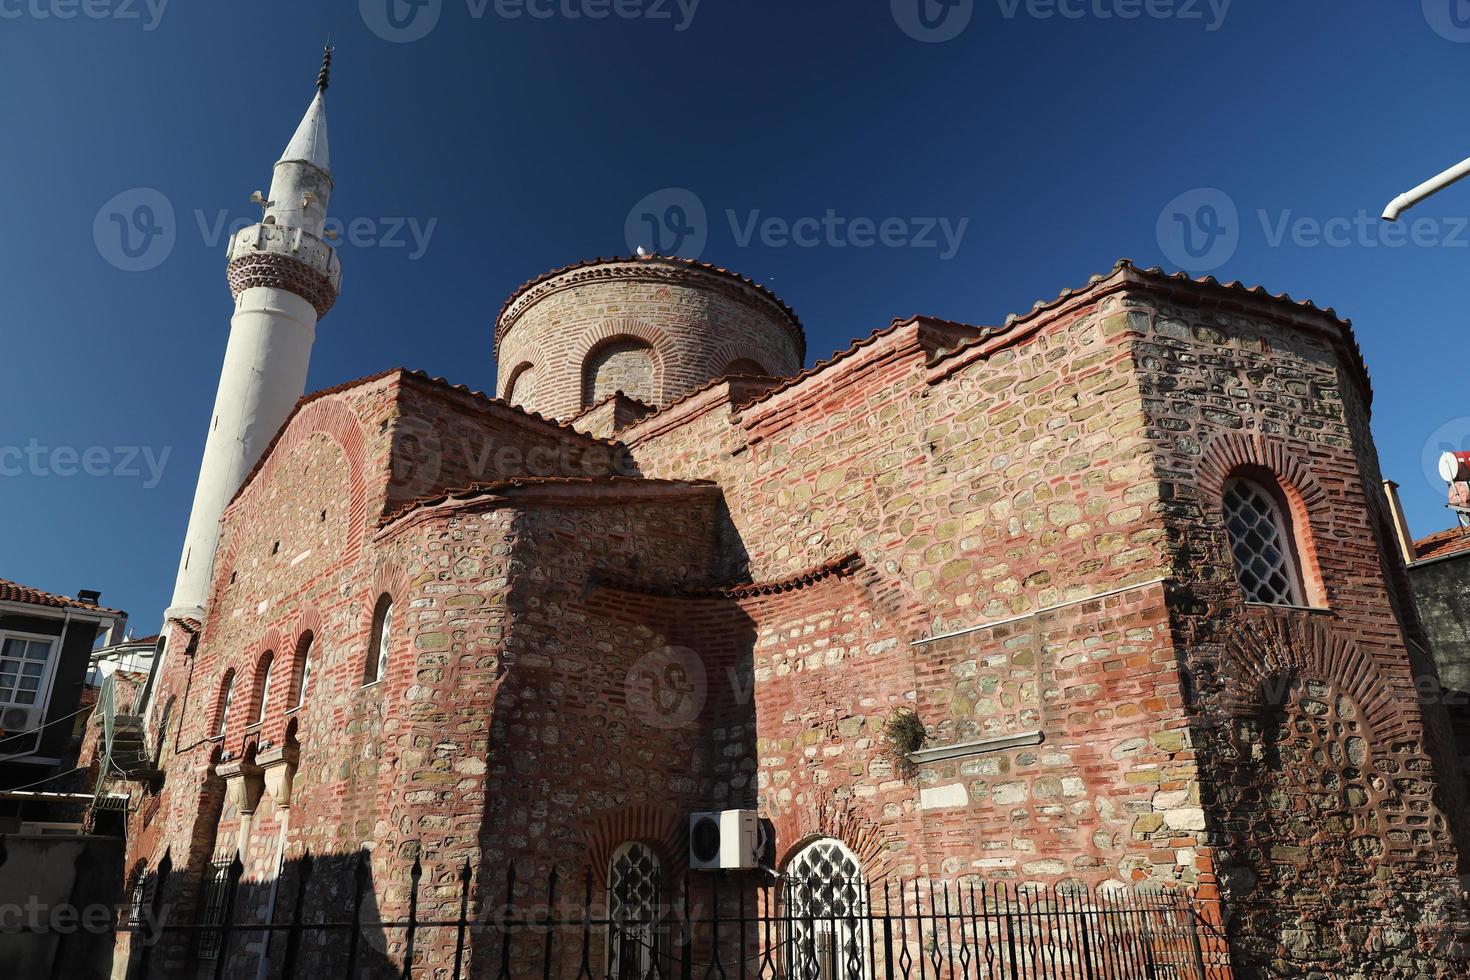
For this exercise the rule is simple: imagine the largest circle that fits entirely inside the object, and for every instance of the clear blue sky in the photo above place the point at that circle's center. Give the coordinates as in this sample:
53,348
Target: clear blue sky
527,141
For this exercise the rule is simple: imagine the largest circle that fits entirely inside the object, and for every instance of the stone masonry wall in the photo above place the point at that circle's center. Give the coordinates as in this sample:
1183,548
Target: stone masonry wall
696,323
1330,823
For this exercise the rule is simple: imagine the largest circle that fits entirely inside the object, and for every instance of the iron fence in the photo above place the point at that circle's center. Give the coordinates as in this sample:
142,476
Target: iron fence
714,925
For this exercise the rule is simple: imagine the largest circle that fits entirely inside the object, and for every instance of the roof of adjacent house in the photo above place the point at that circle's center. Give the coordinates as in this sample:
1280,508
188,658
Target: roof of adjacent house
15,592
1442,543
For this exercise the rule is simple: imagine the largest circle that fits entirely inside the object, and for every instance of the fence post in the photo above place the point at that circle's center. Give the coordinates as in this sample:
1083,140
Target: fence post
359,886
550,928
293,936
465,874
686,938
414,875
510,915
237,868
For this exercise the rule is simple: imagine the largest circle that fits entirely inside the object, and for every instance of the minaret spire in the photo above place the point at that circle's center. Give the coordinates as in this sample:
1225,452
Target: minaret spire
284,277
324,77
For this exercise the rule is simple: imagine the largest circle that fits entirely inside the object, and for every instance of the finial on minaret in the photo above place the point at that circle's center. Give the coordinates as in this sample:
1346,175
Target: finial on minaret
324,77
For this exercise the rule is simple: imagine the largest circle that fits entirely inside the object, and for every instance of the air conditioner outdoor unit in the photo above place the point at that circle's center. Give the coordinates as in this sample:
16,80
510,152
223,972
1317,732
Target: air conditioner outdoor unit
16,721
724,840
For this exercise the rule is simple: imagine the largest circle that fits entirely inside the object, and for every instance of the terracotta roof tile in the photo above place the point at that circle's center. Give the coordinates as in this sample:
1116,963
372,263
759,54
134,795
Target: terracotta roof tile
15,592
500,486
843,566
419,376
1442,543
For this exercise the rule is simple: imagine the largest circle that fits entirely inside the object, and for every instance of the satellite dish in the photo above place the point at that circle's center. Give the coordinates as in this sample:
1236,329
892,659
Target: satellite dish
1454,467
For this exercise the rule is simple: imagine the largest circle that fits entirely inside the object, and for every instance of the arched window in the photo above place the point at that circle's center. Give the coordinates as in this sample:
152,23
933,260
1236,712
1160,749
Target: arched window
632,905
826,902
303,672
513,382
624,364
226,698
746,366
377,659
263,685
1261,543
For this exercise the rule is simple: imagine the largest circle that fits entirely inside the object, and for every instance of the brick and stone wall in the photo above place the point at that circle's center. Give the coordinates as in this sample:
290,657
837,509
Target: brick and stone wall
655,329
1014,532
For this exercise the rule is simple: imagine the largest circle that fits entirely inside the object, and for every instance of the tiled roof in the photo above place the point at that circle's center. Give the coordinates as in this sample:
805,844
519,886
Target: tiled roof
799,334
15,592
1442,543
420,377
844,566
531,482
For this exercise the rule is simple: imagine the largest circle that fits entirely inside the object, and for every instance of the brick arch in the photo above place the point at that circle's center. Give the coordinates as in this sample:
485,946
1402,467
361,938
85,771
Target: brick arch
1263,649
333,419
663,828
390,580
1230,454
796,829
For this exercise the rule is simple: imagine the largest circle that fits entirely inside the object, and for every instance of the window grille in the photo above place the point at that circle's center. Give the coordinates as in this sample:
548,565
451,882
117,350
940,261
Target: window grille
826,903
212,915
1260,545
632,900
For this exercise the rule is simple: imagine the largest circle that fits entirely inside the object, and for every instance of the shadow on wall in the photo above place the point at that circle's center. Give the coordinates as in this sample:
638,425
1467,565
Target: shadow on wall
57,898
316,901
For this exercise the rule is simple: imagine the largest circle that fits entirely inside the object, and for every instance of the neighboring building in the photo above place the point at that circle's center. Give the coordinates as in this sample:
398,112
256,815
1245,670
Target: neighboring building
1439,571
1112,552
46,644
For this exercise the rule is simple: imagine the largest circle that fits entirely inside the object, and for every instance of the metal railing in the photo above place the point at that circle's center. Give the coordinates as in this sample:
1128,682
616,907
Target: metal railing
705,926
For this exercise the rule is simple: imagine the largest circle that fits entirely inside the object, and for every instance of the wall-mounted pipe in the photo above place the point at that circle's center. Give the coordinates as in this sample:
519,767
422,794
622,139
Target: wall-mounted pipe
1430,187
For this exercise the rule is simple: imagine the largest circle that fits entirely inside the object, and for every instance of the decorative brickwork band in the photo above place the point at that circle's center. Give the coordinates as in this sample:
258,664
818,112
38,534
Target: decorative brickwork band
282,272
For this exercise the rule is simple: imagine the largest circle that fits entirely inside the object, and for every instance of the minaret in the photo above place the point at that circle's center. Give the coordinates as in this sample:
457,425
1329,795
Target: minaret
284,277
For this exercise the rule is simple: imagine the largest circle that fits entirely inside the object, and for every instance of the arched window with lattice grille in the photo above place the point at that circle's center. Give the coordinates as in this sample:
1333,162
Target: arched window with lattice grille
826,905
632,902
1262,545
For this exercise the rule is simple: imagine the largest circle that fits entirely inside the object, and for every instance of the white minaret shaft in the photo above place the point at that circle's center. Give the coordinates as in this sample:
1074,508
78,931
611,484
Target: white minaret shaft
284,278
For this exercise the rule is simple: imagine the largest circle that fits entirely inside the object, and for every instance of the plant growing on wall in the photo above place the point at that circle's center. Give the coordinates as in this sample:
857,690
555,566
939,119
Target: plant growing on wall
903,732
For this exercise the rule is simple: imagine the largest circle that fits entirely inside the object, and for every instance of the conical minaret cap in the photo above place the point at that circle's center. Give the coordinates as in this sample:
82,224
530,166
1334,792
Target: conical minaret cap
310,142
